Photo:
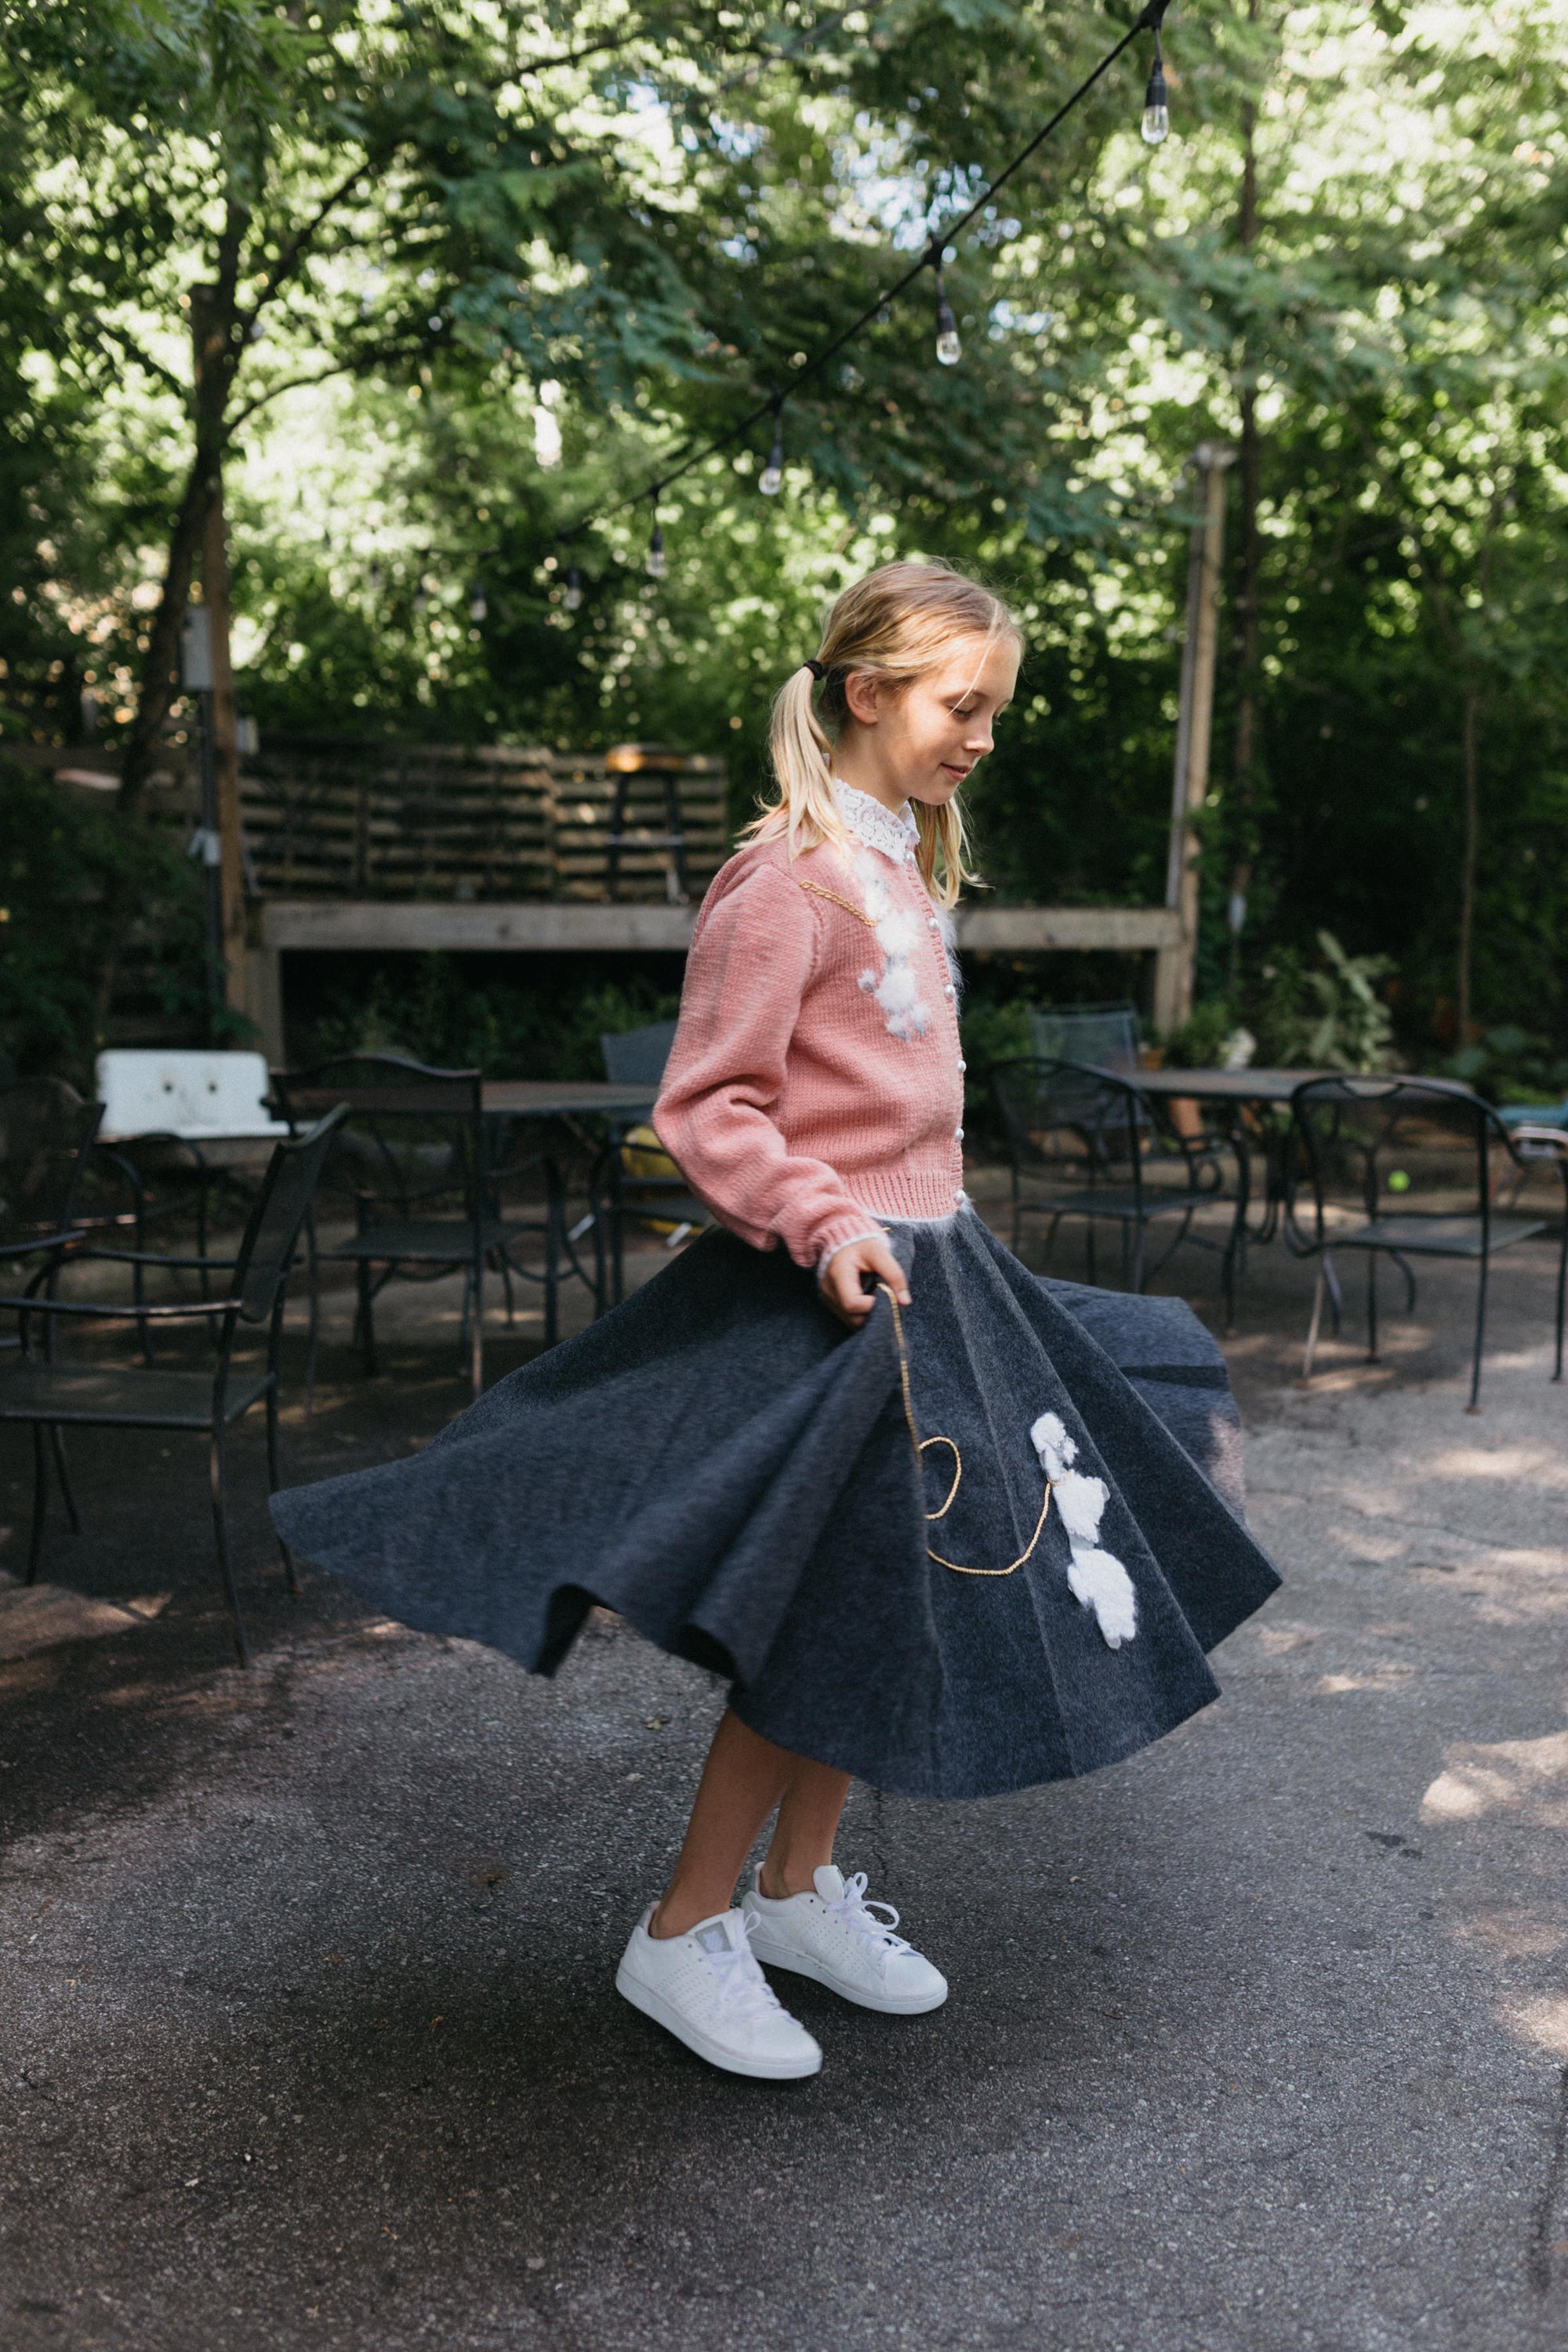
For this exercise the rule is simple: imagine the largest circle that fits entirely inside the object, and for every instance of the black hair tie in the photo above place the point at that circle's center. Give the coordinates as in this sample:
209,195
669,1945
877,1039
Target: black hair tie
819,669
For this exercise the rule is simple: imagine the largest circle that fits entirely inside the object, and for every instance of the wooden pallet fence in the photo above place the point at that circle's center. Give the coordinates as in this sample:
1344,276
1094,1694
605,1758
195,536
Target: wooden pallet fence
353,820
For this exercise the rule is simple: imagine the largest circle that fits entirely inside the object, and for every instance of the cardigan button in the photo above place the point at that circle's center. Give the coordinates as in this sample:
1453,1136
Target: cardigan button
948,991
958,1135
961,1062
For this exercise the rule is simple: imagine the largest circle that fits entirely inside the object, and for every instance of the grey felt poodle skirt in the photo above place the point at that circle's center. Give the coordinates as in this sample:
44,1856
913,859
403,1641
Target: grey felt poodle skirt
983,1544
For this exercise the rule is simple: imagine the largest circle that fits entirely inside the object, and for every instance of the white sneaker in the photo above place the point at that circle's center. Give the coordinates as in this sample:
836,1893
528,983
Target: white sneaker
708,1991
832,1935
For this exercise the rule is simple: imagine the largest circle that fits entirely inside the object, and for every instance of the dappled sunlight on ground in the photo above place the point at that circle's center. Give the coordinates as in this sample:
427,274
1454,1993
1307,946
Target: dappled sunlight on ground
1525,1779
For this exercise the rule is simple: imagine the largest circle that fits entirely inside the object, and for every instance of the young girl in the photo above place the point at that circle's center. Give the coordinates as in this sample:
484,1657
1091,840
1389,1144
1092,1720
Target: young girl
846,1450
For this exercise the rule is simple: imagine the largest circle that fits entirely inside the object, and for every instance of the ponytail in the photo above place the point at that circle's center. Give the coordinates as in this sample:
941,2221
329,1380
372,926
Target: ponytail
802,760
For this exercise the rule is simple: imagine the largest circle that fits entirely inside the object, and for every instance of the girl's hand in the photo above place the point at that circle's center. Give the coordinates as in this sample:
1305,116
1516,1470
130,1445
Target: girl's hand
842,1286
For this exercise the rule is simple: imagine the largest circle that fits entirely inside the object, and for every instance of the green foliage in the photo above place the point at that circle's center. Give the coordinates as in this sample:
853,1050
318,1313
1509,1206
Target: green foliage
1199,1043
634,245
1510,1064
1328,1016
546,1024
58,861
993,1030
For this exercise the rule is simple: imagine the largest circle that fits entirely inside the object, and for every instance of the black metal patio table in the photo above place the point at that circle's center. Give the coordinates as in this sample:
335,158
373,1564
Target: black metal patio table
564,1099
1262,1086
1237,1092
571,1101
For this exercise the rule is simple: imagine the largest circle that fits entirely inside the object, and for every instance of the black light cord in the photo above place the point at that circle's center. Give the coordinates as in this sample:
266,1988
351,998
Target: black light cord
1150,20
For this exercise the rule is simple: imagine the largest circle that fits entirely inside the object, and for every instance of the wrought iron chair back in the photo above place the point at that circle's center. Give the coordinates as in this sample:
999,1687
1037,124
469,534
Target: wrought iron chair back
413,1156
52,1394
1419,1148
413,1137
271,1239
1042,1101
635,1057
1405,1168
1103,1036
46,1134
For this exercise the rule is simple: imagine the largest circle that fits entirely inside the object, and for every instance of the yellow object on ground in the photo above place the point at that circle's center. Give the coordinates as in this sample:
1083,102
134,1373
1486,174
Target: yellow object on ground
642,1154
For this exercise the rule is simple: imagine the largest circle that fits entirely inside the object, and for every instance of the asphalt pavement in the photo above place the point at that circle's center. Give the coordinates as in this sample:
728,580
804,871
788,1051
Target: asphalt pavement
1257,2042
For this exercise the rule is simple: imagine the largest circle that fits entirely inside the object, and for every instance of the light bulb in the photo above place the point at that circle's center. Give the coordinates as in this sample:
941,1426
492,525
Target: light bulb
421,600
949,349
572,600
657,567
1156,123
478,608
771,480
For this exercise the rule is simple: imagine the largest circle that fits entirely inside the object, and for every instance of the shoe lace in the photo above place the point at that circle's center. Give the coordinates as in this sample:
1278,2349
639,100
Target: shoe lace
855,1912
741,1984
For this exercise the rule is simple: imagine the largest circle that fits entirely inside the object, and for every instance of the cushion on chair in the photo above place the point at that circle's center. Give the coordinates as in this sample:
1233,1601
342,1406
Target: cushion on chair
1535,1115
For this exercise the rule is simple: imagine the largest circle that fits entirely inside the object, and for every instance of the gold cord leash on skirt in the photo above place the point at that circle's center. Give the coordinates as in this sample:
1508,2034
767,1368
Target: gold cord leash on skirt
919,1444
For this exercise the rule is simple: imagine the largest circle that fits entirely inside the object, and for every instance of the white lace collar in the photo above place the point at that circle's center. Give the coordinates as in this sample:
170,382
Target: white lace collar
878,827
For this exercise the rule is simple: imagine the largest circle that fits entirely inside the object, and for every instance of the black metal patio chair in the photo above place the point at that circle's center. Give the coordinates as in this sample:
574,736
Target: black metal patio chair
634,1180
1408,1168
1540,1140
1103,1036
411,1160
47,1134
45,1137
52,1394
1088,1142
635,1057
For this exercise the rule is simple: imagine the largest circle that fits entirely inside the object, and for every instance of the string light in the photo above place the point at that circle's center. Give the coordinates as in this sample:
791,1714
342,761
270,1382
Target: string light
1156,124
572,598
771,479
1155,127
949,349
478,608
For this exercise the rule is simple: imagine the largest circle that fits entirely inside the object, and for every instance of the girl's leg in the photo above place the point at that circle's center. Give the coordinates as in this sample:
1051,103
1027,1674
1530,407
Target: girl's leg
806,1826
744,1778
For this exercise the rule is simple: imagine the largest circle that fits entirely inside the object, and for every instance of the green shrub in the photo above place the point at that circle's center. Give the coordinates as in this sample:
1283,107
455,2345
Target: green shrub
547,1029
61,865
1326,1016
1199,1044
1511,1065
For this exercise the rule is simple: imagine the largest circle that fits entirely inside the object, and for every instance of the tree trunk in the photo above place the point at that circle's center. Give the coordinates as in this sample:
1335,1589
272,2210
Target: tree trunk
161,663
226,754
1471,737
216,352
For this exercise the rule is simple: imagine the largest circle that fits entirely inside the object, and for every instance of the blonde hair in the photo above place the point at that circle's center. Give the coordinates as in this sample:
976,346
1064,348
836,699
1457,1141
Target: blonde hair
896,624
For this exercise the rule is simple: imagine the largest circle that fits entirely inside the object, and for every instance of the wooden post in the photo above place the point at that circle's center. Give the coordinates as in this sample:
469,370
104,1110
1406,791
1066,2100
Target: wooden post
225,751
1174,966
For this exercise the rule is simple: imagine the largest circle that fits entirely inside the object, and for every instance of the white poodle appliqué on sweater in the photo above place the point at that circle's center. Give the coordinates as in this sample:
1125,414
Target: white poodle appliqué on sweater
1098,1579
896,987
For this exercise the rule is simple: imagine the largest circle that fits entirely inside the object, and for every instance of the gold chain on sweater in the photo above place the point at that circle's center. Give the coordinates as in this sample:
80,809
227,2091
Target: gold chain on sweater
848,905
921,1444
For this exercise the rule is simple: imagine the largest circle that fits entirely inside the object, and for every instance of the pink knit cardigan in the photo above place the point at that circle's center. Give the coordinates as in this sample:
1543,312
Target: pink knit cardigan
816,1083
